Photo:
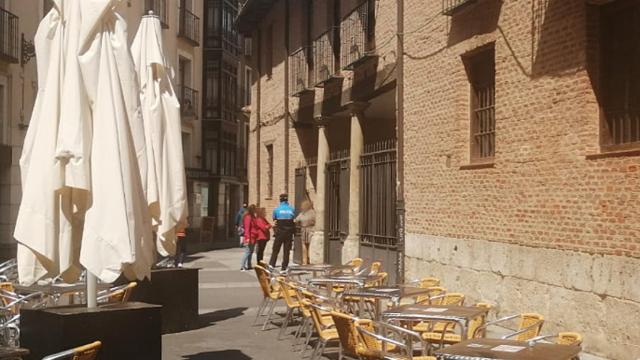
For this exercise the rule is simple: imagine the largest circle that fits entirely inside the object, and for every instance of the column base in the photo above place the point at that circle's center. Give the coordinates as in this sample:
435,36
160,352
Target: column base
316,248
351,248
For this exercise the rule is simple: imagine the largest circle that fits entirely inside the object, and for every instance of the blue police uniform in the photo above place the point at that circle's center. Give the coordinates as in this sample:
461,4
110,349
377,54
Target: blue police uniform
283,215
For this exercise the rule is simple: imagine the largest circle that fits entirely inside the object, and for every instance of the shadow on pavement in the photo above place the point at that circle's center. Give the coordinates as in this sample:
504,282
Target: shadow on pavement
208,319
222,355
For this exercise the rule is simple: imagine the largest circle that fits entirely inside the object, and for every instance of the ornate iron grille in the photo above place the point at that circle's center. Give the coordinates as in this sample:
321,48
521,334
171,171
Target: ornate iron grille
324,60
337,204
378,195
189,27
9,41
355,35
188,101
159,8
451,6
298,72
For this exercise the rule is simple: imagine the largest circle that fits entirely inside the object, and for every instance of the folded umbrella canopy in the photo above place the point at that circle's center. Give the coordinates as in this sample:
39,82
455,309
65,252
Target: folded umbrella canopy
83,189
166,184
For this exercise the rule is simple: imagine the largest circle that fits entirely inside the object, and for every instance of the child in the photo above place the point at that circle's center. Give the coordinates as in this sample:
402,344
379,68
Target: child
262,234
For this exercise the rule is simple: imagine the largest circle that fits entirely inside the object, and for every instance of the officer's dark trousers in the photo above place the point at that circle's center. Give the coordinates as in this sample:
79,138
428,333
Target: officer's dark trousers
282,239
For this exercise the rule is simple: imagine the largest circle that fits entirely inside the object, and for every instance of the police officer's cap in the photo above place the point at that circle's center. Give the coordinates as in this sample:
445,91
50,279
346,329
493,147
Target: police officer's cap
284,197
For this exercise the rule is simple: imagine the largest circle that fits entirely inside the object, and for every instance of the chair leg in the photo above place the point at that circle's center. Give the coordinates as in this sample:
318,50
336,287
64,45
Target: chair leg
273,306
316,349
308,332
296,339
263,304
285,323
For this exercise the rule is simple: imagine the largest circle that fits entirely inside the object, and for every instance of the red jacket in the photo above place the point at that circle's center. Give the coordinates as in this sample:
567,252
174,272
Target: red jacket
248,225
261,229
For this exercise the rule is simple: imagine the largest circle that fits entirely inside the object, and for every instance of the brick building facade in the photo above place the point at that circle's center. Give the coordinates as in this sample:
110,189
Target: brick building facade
520,147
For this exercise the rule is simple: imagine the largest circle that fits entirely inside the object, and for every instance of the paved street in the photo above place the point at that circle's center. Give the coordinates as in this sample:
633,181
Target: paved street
228,304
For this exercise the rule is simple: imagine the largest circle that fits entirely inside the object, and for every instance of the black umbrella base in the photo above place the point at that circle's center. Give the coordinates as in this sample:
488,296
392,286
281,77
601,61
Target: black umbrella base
127,331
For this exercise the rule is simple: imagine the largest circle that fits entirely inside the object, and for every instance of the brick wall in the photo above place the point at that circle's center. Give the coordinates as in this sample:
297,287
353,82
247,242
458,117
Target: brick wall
542,193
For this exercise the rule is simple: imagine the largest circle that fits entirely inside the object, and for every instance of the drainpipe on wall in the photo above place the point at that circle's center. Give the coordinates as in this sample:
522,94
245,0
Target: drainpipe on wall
400,210
286,96
258,68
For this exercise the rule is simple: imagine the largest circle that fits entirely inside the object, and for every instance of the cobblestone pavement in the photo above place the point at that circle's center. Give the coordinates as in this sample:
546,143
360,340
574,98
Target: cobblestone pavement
228,303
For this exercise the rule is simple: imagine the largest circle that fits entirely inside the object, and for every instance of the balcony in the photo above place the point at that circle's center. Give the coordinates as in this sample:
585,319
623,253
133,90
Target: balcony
299,72
188,101
9,40
356,32
324,59
449,7
159,8
189,27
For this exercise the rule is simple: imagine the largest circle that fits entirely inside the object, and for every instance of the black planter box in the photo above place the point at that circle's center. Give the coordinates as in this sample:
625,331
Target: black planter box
127,331
176,289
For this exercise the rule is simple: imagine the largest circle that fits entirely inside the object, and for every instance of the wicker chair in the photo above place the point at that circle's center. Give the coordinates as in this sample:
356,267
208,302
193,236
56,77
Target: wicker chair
434,293
86,352
326,333
379,347
117,294
445,334
307,326
529,326
291,300
271,294
375,268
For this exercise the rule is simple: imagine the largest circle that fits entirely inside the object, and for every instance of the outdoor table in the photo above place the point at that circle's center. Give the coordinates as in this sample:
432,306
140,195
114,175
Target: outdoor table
482,349
461,315
379,293
357,280
316,269
58,289
10,353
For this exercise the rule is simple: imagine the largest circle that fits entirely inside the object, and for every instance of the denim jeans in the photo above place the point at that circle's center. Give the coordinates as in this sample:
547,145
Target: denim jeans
246,257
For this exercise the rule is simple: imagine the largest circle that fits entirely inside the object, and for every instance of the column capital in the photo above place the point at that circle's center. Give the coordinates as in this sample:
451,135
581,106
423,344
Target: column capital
357,107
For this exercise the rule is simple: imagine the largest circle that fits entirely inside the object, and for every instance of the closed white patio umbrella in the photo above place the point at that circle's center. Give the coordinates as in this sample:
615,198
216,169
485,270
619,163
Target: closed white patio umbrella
83,190
166,184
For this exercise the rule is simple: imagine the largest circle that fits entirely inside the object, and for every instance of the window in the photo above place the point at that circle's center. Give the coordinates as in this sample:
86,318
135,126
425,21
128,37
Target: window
620,75
268,53
269,171
482,76
212,89
186,148
247,87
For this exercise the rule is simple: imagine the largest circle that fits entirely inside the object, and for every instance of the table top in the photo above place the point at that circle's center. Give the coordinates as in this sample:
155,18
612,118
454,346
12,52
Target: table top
7,352
387,292
344,279
434,312
319,267
60,288
477,349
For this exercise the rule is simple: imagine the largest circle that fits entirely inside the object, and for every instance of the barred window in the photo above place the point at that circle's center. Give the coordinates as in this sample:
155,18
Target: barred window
482,76
620,74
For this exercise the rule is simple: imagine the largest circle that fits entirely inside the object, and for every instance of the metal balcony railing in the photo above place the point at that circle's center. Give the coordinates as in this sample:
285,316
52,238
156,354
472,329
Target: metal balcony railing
451,6
324,61
298,71
188,101
356,35
189,27
9,40
159,8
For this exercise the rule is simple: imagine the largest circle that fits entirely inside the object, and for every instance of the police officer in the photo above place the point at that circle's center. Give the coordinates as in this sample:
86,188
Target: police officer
283,217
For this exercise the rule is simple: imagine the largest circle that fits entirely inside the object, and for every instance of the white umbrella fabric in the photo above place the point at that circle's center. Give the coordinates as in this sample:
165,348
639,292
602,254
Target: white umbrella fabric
83,194
166,181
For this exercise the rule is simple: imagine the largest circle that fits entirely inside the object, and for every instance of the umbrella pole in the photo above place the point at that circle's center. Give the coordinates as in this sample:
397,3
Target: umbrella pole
92,290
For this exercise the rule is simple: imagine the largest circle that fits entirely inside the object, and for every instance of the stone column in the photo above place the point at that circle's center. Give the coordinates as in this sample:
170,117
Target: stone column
317,246
351,248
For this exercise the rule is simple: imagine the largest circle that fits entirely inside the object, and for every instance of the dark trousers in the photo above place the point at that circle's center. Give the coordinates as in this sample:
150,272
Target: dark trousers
261,245
282,239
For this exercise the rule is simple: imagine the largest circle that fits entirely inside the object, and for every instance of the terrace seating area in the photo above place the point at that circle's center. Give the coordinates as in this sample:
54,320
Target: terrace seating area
14,297
350,312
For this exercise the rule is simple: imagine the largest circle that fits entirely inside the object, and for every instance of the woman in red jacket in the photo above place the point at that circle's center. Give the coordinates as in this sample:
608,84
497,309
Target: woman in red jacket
249,239
261,228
